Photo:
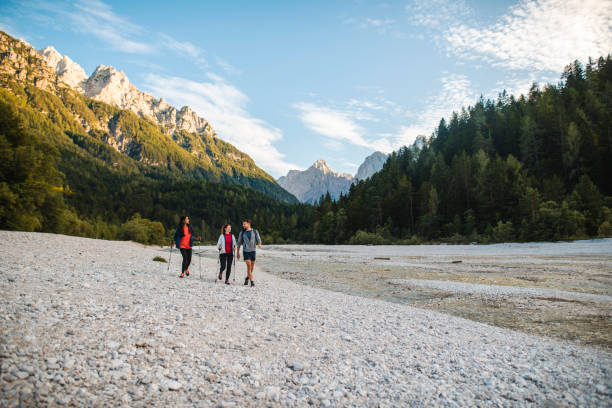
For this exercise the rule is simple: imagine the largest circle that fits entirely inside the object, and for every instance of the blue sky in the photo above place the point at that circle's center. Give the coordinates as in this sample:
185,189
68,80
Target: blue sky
291,82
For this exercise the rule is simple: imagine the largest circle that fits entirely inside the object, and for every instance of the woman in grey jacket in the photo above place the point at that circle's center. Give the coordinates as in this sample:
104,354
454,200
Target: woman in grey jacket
226,244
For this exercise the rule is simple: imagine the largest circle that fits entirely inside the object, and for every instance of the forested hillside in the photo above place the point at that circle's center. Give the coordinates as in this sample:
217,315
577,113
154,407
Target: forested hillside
119,139
533,167
117,201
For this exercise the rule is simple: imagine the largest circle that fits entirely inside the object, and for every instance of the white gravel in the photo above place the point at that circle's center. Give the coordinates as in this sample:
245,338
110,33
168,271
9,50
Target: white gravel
495,290
90,323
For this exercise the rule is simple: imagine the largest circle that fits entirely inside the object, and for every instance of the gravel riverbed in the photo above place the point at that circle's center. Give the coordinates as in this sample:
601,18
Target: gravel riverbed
97,323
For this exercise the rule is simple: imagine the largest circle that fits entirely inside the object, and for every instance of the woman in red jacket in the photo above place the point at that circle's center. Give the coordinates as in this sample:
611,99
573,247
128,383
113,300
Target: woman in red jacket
183,238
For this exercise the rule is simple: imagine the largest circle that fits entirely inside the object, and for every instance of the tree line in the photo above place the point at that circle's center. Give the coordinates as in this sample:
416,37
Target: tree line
533,167
536,167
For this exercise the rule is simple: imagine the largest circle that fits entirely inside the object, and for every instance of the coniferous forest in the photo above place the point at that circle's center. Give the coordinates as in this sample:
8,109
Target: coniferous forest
533,167
518,168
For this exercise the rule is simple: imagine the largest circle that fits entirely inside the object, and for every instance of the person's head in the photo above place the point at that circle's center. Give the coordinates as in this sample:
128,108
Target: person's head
246,224
226,229
184,221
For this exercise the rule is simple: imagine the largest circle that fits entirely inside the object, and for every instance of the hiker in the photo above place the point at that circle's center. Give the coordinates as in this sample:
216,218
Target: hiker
226,244
249,238
183,239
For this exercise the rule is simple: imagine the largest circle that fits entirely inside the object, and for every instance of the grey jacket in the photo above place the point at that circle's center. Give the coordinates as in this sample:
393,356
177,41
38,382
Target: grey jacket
221,243
249,245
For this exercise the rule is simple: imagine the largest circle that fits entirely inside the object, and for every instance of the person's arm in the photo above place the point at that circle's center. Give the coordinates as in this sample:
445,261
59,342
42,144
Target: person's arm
258,238
219,243
175,239
240,238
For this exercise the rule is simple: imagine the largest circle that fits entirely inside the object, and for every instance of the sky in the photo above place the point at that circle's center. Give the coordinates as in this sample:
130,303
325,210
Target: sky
290,82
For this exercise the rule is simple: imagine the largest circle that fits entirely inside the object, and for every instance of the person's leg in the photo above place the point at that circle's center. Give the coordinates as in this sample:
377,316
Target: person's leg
248,265
230,259
250,270
222,261
189,252
183,265
251,277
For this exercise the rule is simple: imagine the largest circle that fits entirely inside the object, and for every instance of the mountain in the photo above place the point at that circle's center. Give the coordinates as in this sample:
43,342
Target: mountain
108,85
104,118
309,185
372,164
319,179
67,70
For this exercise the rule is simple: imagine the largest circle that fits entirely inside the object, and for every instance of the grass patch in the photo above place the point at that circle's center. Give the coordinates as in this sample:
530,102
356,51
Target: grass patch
160,259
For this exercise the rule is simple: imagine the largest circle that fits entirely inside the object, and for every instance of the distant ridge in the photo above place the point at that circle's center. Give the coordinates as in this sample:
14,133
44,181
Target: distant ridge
319,179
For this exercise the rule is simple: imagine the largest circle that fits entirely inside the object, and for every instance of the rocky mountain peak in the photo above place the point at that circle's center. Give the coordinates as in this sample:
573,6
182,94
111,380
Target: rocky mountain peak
51,56
110,85
322,165
371,165
66,69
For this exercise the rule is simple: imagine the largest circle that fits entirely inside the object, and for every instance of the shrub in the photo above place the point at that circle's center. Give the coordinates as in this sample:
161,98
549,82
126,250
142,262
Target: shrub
605,229
414,240
142,230
503,232
367,238
160,259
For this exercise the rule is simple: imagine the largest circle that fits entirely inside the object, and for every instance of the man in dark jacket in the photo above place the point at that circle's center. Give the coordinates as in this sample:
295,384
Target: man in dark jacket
249,238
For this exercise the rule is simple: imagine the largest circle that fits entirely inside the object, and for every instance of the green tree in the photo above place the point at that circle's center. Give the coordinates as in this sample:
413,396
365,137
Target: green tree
29,181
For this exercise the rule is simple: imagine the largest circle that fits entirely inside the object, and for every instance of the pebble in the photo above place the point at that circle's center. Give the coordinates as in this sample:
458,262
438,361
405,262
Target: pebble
173,385
138,336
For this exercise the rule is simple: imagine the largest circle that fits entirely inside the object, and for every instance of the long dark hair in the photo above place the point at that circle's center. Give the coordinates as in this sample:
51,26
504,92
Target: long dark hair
182,224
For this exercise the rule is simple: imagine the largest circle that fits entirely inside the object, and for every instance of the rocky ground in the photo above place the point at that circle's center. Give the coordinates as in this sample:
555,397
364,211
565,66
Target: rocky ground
98,323
561,290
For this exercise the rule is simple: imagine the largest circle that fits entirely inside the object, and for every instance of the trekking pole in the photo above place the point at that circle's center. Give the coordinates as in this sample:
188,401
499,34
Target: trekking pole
200,256
170,259
234,262
218,265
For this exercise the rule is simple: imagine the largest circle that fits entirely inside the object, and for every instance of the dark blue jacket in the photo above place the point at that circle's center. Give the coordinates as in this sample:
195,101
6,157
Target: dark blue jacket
177,238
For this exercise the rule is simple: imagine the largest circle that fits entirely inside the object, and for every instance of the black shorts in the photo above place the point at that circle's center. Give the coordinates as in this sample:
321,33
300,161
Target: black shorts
249,256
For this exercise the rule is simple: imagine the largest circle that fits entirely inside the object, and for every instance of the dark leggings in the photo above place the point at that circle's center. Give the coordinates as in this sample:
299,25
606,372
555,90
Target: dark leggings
186,258
226,262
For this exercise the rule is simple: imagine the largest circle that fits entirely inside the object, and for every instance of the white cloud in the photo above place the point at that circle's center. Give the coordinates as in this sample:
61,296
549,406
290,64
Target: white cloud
437,13
542,35
516,84
337,125
342,123
331,123
182,47
350,164
87,16
225,107
98,18
457,92
380,25
365,104
226,66
375,22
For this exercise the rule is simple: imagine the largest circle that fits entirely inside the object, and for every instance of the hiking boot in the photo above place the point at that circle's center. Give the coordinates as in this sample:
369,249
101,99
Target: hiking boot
252,283
182,275
246,281
227,282
187,272
220,275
